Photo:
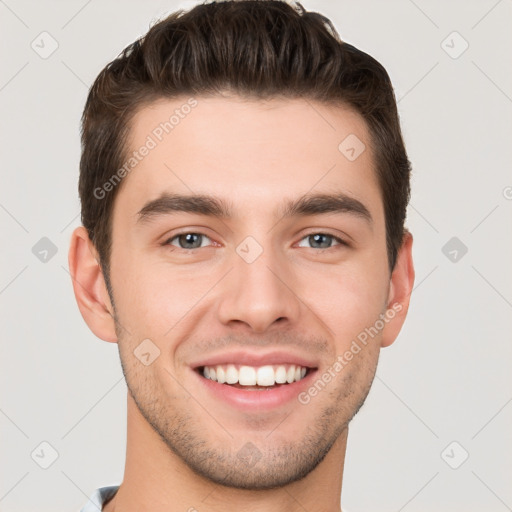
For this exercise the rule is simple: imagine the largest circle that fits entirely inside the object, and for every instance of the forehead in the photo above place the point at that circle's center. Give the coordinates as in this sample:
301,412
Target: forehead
237,148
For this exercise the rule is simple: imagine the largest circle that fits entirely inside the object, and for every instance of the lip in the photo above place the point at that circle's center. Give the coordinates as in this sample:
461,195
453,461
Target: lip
255,359
252,401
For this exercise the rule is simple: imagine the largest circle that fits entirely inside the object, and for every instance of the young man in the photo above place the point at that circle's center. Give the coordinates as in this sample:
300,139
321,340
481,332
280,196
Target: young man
244,186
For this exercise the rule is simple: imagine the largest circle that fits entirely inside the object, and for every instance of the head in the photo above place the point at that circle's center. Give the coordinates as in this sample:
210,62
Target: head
244,186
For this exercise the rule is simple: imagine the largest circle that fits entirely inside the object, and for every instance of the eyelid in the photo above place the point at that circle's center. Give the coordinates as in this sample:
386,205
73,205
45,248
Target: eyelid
338,238
339,235
169,239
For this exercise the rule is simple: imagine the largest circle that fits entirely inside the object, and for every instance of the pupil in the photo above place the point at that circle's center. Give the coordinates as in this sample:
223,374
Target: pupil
319,237
189,238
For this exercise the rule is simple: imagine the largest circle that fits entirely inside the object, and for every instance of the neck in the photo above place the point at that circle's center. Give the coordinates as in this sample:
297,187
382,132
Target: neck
158,480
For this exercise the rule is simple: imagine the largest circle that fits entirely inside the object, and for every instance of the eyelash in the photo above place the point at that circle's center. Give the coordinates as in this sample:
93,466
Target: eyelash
340,241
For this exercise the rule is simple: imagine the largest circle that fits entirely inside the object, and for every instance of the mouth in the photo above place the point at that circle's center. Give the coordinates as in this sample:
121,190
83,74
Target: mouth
254,389
252,378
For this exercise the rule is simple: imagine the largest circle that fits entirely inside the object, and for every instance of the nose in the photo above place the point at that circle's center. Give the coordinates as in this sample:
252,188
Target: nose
259,294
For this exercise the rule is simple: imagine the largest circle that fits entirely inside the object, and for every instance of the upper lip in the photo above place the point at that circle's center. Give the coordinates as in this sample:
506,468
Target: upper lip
256,359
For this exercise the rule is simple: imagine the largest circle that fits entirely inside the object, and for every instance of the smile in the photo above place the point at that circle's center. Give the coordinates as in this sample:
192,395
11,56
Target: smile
251,377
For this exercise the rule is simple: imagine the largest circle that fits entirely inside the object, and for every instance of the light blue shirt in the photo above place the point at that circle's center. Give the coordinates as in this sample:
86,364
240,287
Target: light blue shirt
99,498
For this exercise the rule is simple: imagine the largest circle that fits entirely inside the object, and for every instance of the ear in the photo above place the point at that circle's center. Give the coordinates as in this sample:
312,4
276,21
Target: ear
400,289
89,286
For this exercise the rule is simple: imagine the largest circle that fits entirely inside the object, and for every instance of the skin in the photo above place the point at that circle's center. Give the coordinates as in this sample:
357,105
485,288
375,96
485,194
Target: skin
182,444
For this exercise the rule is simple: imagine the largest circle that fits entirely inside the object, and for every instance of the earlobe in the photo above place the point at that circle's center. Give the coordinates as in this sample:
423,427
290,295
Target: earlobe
89,286
400,289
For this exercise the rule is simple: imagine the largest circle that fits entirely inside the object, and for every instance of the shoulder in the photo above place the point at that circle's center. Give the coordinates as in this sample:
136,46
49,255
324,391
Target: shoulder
99,497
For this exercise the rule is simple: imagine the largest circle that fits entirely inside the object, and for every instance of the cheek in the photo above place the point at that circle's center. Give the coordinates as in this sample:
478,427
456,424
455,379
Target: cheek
348,303
156,301
139,294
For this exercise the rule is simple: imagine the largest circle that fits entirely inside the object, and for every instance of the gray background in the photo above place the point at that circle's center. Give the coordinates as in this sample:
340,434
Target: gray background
447,377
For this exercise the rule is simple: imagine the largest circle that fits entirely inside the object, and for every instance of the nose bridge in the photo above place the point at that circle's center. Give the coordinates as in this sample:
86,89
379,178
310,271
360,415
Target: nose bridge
257,292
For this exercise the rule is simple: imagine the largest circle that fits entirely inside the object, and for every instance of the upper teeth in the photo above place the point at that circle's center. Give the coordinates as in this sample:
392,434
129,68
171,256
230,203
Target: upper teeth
251,376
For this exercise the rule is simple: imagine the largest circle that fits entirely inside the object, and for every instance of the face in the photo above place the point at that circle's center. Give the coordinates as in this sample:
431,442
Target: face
273,273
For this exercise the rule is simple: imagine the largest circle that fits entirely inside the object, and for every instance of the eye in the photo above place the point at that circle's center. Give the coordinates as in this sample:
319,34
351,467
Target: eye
188,240
322,240
191,240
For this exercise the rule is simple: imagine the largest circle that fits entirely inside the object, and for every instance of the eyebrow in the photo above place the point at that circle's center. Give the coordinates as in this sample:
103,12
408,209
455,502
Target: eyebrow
203,204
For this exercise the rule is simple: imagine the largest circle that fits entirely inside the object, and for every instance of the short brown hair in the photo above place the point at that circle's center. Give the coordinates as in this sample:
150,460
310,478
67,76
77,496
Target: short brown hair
254,48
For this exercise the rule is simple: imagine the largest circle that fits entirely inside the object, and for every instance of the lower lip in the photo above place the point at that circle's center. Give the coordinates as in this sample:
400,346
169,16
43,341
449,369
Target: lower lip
251,400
